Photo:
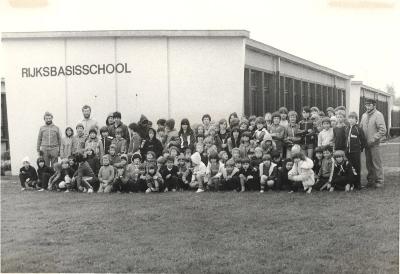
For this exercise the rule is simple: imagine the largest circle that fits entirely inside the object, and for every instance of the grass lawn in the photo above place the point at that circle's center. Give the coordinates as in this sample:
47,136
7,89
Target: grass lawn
210,232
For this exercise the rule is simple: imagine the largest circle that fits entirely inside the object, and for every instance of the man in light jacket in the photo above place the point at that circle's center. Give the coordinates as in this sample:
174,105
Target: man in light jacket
49,141
374,128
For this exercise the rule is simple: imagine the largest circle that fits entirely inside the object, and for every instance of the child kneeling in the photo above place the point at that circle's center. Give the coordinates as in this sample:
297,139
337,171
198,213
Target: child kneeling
268,173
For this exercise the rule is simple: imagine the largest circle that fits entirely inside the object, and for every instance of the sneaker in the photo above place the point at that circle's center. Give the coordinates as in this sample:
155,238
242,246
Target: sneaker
23,189
347,188
262,191
148,190
67,191
351,188
166,189
379,185
41,189
153,189
199,190
331,189
84,190
308,191
291,191
90,190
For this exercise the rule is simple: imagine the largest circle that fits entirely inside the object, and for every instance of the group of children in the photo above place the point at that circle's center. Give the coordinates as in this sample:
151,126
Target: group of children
280,151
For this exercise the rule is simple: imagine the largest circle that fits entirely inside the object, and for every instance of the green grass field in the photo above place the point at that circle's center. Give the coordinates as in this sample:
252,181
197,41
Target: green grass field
210,232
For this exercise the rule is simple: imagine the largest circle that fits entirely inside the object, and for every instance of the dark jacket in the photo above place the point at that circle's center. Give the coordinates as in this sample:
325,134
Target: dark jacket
164,172
94,164
307,137
28,173
104,145
343,169
125,132
142,127
152,145
355,139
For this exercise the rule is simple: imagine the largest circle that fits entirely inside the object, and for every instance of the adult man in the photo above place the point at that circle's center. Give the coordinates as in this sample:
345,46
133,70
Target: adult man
49,140
87,122
118,124
373,125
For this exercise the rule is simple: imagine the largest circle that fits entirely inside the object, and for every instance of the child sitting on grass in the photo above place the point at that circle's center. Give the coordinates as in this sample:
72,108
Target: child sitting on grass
214,172
44,173
84,175
284,182
169,174
27,174
302,171
66,176
106,175
324,177
56,178
230,177
247,175
154,179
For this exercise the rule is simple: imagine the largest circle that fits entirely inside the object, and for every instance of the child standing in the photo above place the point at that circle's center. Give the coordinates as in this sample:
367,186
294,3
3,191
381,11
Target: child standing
27,174
66,143
92,141
277,131
325,137
105,142
339,131
214,172
79,140
119,142
307,131
355,144
292,135
151,144
324,177
106,175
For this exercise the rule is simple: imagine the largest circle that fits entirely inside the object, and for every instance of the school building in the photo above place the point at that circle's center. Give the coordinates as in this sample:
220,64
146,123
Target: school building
160,73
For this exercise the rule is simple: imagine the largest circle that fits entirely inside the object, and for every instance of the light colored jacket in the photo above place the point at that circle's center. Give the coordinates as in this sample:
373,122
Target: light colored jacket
373,125
302,172
49,137
66,147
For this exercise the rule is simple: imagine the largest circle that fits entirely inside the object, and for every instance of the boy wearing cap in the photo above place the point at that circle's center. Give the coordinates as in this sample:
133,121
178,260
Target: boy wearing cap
355,144
27,174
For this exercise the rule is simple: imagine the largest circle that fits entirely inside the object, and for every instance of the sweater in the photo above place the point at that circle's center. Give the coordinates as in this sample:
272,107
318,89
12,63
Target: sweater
106,174
373,125
49,137
66,147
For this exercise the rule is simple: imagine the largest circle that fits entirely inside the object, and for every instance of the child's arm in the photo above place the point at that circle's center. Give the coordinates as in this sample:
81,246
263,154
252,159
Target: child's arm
320,139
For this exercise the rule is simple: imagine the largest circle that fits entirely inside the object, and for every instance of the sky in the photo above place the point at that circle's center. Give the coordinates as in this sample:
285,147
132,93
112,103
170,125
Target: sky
356,37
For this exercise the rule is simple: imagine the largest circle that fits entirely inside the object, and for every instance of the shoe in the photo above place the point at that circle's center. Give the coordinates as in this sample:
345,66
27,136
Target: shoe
166,189
23,189
90,190
308,191
347,188
200,190
66,191
379,185
148,190
331,189
262,191
153,189
351,188
291,191
41,189
173,190
84,190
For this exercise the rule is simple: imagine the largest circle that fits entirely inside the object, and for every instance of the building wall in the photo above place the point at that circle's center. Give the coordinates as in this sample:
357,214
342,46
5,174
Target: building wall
171,77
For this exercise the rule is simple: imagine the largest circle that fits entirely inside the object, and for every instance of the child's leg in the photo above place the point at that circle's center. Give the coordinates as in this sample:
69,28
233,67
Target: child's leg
263,182
355,160
200,181
173,183
101,188
340,182
243,180
108,188
22,180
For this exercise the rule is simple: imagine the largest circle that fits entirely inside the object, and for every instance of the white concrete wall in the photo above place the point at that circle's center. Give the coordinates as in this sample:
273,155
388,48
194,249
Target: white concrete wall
192,75
353,102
